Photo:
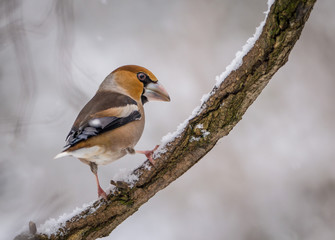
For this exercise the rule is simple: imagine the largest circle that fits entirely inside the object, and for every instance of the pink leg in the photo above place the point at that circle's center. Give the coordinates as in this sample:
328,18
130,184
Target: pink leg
94,169
148,154
101,192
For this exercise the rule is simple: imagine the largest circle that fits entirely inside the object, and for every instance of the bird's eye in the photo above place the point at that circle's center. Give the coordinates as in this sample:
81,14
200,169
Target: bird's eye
141,76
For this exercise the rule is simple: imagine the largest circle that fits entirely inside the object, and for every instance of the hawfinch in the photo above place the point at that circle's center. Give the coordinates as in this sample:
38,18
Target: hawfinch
112,122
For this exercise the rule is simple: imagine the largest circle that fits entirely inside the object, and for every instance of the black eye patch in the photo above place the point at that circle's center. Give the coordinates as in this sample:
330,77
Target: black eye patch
144,78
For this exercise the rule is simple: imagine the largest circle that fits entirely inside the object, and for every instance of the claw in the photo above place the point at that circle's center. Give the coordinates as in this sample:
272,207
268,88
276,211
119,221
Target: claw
149,154
102,193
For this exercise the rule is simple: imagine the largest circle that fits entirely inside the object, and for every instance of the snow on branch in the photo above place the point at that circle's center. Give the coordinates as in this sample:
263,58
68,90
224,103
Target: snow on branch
235,64
235,90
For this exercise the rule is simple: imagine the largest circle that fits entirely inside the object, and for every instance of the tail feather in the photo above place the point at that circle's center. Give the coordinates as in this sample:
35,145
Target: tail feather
62,154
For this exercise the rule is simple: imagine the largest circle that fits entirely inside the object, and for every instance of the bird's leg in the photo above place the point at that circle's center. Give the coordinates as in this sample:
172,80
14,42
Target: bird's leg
94,169
148,154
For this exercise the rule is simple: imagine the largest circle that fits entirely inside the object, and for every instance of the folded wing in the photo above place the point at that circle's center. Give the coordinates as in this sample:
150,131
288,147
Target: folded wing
105,112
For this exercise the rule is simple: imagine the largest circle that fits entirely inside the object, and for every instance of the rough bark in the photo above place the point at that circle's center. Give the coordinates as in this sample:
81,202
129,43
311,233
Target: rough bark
219,114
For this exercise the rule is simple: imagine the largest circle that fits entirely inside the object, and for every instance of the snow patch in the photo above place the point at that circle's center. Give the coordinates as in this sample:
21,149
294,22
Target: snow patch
52,225
204,133
147,166
126,176
238,60
194,139
170,136
236,63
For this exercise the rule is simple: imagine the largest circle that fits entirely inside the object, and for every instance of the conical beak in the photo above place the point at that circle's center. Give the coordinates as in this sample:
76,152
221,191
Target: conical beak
156,92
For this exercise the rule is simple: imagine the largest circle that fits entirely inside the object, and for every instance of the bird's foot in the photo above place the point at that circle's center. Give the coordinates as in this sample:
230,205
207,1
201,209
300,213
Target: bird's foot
102,193
149,154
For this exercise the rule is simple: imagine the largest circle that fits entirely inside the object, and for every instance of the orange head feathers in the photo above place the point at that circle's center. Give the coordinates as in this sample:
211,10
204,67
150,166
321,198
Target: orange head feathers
137,82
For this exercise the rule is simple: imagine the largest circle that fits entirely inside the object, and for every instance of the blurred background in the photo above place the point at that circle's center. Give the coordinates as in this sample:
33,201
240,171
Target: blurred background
272,177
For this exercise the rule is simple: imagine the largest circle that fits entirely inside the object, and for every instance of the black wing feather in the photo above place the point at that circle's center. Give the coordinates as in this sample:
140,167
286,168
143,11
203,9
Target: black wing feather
97,126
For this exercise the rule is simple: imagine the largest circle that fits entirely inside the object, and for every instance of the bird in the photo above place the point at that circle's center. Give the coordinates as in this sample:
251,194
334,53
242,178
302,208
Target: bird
112,122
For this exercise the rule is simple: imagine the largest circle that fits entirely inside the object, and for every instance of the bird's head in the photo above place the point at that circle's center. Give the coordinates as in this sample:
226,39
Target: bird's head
136,82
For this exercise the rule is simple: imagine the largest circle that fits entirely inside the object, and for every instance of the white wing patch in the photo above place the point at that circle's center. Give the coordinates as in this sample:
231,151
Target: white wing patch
95,122
127,110
118,112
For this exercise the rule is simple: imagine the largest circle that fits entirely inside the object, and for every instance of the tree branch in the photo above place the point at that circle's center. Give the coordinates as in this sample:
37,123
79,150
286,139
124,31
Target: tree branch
216,117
